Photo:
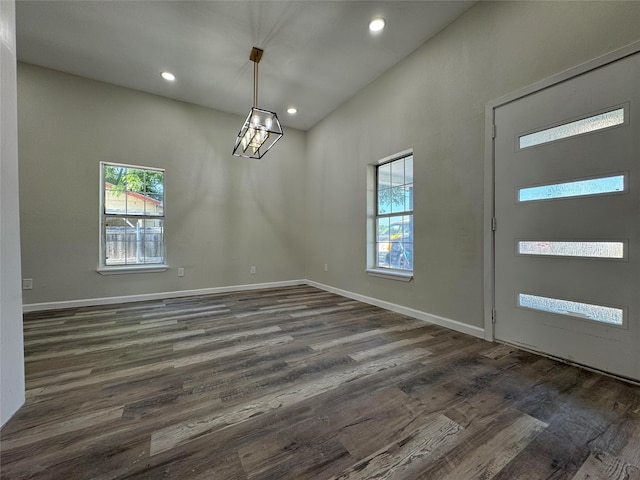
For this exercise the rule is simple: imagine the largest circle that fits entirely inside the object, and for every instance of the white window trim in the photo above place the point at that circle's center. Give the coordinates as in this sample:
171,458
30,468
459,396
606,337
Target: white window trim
104,269
372,251
401,275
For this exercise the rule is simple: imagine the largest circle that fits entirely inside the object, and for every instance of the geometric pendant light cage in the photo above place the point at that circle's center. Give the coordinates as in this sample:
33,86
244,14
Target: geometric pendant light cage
261,130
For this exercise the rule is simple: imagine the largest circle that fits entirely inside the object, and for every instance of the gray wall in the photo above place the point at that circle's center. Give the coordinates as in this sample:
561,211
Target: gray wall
223,213
11,350
304,204
434,101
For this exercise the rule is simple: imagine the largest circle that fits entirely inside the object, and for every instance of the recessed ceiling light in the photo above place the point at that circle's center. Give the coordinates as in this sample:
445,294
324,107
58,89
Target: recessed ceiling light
377,24
292,110
168,76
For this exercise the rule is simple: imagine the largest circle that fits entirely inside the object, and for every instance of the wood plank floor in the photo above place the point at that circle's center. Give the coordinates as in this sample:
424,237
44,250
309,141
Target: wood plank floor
299,383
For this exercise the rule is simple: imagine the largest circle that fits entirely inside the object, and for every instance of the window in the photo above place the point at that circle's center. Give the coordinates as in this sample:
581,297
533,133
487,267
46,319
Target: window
131,218
394,214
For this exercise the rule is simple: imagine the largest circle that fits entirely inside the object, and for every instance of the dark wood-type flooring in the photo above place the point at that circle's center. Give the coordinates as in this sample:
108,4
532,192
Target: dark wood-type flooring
298,383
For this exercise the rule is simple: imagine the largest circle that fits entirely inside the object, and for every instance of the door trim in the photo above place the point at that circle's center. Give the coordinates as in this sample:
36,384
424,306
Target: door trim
489,167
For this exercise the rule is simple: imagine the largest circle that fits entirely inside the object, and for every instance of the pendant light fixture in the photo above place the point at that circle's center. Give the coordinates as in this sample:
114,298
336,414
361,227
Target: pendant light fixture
261,129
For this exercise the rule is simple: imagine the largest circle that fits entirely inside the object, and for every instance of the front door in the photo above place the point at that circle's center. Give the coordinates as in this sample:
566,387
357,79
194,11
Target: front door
567,208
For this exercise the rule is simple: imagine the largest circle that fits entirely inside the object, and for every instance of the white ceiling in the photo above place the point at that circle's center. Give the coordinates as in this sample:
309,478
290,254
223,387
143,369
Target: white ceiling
317,54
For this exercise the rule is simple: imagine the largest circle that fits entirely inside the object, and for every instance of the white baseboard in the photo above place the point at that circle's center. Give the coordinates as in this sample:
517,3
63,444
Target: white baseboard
427,317
88,302
410,312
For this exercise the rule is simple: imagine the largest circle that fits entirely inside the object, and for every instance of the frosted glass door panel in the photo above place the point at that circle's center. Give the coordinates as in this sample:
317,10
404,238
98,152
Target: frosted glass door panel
598,313
577,188
572,249
571,129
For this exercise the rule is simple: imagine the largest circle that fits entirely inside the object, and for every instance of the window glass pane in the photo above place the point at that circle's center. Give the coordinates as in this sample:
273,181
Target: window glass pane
382,242
594,186
131,241
400,255
573,249
116,176
154,182
115,241
383,255
115,185
396,255
384,201
395,228
154,204
407,227
408,169
397,172
397,199
407,258
408,197
135,203
135,180
598,313
400,250
384,176
407,241
152,237
133,191
585,125
382,233
114,200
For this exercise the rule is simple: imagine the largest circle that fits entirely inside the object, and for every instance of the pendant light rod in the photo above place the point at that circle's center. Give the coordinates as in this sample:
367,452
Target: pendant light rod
255,57
255,84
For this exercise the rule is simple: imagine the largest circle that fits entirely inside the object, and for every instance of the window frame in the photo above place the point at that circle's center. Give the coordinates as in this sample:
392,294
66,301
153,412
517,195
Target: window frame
373,266
105,269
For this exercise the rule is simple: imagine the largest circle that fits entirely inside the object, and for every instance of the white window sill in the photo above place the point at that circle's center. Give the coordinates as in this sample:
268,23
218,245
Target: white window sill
132,269
400,275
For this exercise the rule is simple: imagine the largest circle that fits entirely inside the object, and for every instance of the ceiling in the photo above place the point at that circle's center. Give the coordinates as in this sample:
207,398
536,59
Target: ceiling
317,54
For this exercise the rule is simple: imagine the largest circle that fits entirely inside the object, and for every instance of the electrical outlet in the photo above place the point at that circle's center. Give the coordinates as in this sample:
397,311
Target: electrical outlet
27,283
180,271
252,270
326,267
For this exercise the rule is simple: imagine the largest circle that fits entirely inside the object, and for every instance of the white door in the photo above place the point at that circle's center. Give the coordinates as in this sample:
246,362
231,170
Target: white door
567,208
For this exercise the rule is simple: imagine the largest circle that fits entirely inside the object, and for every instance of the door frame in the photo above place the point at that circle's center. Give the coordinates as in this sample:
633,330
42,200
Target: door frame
489,168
